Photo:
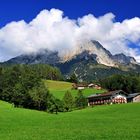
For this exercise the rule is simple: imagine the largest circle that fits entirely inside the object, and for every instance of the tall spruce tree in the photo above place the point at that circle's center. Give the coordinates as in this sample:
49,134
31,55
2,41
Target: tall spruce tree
68,101
80,100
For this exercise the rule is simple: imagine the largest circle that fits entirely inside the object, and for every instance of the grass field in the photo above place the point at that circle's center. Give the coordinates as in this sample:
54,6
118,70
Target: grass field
58,89
116,122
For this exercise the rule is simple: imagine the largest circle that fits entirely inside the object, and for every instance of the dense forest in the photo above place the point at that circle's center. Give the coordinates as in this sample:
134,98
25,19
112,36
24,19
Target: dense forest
129,83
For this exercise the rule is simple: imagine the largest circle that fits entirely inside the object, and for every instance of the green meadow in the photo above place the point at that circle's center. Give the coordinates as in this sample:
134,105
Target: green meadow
114,122
59,88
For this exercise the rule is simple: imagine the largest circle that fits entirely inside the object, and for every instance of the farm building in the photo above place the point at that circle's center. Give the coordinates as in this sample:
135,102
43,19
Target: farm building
97,87
117,96
94,86
135,97
91,85
79,86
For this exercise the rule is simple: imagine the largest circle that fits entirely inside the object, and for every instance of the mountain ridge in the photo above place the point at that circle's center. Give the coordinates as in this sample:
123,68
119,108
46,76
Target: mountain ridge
103,56
89,58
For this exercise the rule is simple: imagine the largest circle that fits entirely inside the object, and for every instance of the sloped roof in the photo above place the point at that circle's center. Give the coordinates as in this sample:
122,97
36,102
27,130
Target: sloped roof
133,95
111,93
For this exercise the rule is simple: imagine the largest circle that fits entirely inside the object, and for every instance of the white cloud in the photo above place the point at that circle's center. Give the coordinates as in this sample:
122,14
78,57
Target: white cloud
51,30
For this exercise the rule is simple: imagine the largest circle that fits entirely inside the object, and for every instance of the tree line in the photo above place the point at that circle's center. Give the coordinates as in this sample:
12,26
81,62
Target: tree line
22,85
128,83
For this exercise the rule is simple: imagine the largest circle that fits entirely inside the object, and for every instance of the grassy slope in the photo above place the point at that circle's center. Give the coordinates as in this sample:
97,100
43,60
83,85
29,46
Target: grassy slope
58,89
116,122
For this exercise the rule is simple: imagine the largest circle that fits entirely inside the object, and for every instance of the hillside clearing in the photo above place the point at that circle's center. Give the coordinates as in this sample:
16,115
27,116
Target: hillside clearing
58,85
59,88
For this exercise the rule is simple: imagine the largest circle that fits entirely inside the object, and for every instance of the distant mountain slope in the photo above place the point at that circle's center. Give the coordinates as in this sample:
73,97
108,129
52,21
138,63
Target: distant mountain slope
90,60
87,70
43,57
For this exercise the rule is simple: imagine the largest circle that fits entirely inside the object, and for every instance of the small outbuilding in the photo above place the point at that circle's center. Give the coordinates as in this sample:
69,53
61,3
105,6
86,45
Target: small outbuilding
91,85
135,97
95,86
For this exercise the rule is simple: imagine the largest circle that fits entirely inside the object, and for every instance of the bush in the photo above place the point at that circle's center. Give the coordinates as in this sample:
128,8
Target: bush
54,105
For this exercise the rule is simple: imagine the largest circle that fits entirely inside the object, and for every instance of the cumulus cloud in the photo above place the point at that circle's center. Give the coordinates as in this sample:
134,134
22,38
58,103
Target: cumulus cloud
52,30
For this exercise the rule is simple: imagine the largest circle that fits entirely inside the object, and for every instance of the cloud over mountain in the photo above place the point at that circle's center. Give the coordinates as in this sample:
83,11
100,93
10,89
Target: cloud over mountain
52,30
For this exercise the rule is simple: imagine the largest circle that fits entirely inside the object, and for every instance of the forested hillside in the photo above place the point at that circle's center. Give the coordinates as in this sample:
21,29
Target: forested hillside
22,85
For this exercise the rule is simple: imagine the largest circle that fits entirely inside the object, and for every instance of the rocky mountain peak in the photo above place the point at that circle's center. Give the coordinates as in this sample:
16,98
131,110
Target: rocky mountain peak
84,49
94,47
123,59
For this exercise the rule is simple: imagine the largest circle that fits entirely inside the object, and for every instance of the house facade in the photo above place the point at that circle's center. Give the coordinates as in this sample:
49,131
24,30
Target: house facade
113,97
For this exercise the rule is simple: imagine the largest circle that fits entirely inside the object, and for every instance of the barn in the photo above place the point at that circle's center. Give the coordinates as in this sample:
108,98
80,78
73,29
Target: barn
135,97
79,86
113,97
95,86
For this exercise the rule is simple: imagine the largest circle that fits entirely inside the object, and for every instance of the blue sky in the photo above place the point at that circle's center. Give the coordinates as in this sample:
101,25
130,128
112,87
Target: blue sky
26,27
14,10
